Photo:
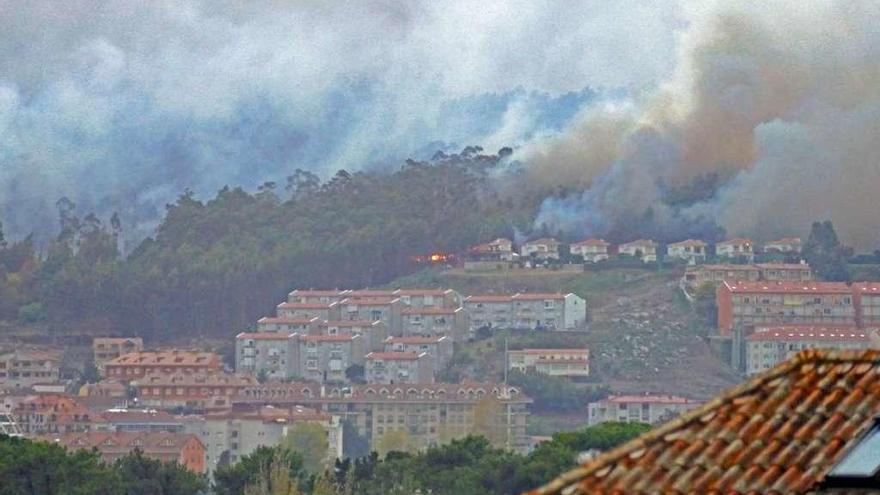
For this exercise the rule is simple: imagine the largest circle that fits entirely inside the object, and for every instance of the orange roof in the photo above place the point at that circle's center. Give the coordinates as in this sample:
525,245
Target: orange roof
167,358
867,287
264,335
787,287
311,305
592,242
780,432
639,243
737,240
688,242
414,340
394,356
487,298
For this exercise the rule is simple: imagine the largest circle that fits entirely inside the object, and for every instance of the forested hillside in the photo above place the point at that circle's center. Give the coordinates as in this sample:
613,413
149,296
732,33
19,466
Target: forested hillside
215,266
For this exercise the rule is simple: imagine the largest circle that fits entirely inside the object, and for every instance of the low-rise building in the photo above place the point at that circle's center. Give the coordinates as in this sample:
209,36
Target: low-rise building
786,245
136,421
498,250
308,310
28,367
548,311
203,392
736,248
184,449
691,250
137,365
569,363
108,348
650,409
644,249
52,414
434,321
399,368
591,250
868,300
697,275
288,325
324,358
742,305
488,311
430,414
373,333
439,349
542,249
769,346
234,433
274,353
790,272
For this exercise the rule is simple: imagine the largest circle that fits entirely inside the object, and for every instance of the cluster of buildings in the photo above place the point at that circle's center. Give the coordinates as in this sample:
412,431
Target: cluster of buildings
692,251
766,321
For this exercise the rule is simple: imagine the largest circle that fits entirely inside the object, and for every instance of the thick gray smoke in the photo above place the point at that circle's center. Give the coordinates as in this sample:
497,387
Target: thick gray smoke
781,97
122,105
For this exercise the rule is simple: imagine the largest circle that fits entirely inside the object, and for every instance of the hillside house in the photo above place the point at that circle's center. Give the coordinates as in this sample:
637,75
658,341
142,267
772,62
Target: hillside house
591,250
311,296
498,250
692,250
786,245
568,363
137,365
373,308
541,249
644,249
736,248
429,298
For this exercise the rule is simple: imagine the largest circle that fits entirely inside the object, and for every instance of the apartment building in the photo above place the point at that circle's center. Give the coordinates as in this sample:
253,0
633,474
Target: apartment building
184,449
430,321
736,248
372,308
308,310
288,325
136,421
108,348
488,311
742,305
769,346
542,249
399,368
373,333
787,245
791,272
569,363
137,365
54,414
691,250
498,250
310,296
644,249
237,432
202,392
697,275
274,353
868,299
539,311
28,367
429,298
324,358
438,348
431,414
649,409
591,250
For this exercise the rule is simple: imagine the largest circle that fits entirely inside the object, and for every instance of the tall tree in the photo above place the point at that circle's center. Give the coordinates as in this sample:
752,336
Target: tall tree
825,253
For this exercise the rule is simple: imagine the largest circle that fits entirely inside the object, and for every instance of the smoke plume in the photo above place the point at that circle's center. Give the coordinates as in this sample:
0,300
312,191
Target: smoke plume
780,99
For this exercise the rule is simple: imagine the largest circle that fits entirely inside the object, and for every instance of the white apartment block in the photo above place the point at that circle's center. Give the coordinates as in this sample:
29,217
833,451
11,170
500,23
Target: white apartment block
373,333
488,311
439,349
429,321
569,363
369,308
548,311
398,368
289,325
324,358
650,409
310,296
275,353
429,298
308,310
769,346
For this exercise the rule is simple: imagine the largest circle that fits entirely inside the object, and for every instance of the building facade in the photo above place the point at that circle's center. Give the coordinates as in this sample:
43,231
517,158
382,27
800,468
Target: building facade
274,353
538,311
644,249
787,245
108,348
373,333
769,346
736,248
399,368
488,311
542,249
28,367
429,321
137,365
591,250
649,409
52,414
204,392
868,300
325,358
439,349
498,250
568,363
692,250
184,449
308,310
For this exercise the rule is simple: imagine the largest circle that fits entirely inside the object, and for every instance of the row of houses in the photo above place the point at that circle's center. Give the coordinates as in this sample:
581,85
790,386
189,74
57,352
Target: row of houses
715,274
596,250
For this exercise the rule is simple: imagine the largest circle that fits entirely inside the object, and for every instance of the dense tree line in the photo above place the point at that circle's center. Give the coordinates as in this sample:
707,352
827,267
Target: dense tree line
40,468
215,266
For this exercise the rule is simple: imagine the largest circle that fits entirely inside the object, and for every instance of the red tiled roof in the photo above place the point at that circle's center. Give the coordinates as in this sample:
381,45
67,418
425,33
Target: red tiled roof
122,442
806,287
422,292
688,242
867,287
737,240
592,242
286,321
488,298
264,335
167,358
780,432
415,339
394,356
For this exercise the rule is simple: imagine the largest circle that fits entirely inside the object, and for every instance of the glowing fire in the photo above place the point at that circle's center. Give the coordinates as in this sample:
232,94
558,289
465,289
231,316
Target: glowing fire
434,258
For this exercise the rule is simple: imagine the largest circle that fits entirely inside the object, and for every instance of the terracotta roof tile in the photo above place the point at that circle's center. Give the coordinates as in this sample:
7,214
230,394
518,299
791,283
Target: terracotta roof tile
781,432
